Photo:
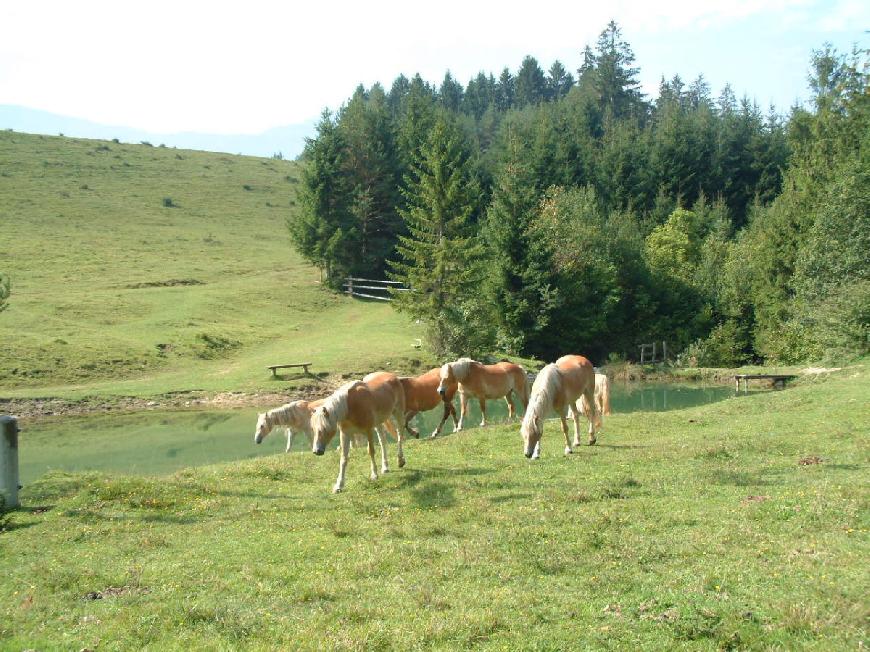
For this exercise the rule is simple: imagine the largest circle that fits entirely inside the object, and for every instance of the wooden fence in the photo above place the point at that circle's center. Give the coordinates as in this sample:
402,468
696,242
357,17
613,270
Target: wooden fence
649,352
364,287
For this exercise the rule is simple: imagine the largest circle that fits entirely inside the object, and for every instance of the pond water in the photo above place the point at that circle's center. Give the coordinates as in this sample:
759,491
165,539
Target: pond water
162,442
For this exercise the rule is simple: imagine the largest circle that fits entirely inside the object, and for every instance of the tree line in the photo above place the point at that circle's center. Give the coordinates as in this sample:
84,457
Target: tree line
537,212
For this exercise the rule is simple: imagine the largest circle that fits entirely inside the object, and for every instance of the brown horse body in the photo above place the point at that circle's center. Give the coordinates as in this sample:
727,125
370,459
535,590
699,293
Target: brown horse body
558,387
359,407
421,395
484,382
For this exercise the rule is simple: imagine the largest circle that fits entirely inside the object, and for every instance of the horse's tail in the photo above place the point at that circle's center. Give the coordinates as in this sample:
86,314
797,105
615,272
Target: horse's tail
605,396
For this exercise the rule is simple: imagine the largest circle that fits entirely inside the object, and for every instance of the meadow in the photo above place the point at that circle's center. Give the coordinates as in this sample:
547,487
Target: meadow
139,270
737,525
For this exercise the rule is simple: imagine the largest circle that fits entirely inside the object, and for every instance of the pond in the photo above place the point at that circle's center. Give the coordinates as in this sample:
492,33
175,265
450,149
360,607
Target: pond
162,442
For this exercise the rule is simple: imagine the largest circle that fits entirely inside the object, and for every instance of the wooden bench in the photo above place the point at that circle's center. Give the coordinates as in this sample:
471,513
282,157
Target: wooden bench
778,379
275,367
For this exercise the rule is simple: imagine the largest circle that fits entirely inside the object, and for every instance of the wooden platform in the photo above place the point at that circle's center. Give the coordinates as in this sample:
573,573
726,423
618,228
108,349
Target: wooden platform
779,380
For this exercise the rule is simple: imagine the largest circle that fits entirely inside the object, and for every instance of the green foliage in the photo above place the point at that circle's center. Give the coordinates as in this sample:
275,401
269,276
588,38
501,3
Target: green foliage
439,258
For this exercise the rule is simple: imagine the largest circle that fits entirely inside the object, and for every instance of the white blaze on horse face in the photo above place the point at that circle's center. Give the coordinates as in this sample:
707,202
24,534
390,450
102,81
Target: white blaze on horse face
531,431
322,431
444,378
262,430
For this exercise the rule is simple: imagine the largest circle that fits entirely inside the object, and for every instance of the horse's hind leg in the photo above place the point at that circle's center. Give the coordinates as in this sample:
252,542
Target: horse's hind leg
397,433
370,435
564,425
591,414
408,417
511,411
482,402
382,440
289,439
575,415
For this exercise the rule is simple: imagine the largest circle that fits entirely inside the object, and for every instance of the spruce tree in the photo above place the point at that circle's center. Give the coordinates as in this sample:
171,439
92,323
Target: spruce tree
438,258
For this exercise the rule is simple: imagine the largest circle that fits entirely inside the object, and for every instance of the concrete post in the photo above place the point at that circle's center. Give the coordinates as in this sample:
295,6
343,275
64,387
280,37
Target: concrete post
9,461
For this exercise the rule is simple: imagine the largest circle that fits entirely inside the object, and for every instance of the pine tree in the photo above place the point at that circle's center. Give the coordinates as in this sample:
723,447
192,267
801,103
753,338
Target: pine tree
531,86
437,259
616,75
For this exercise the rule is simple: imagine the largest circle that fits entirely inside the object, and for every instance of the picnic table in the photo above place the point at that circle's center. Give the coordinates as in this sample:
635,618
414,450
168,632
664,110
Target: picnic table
778,379
275,367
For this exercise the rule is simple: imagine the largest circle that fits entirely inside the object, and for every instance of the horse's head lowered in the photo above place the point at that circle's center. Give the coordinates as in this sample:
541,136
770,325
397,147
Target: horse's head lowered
264,427
323,428
531,430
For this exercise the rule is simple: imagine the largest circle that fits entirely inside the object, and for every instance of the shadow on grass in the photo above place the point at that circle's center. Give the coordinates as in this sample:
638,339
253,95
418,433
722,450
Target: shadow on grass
433,495
621,446
509,498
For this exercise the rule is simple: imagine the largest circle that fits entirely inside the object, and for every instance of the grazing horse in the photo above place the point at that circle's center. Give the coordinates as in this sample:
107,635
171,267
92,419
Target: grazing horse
357,407
602,398
421,395
557,387
293,416
484,382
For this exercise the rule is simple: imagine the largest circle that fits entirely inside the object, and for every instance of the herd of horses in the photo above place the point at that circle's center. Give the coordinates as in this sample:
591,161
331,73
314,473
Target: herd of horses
383,401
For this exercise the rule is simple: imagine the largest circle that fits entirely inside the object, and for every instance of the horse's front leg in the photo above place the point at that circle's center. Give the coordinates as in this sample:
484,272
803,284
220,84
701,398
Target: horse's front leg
344,442
370,435
482,402
448,409
408,417
511,411
564,424
382,440
463,410
289,439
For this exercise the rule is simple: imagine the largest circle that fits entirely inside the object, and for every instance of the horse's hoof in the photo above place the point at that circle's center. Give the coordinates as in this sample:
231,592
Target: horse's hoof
373,477
568,450
336,489
592,442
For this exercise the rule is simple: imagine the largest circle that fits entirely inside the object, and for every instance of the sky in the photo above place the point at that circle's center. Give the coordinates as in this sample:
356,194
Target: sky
245,67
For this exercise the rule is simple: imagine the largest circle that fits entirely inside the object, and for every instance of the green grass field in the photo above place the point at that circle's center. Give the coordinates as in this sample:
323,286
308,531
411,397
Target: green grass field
116,293
738,525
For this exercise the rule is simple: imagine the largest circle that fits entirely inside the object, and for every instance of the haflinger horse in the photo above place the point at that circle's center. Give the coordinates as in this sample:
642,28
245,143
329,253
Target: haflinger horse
602,398
484,382
358,407
557,387
295,417
421,395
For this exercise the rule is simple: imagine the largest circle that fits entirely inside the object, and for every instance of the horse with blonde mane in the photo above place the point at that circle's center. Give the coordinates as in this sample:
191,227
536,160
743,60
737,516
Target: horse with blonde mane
557,387
358,407
295,417
602,398
484,382
421,395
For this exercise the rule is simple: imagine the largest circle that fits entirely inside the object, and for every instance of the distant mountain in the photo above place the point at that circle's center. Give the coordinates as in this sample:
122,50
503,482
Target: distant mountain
288,140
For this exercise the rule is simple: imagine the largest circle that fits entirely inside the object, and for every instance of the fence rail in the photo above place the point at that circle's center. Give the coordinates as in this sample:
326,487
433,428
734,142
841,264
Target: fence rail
352,286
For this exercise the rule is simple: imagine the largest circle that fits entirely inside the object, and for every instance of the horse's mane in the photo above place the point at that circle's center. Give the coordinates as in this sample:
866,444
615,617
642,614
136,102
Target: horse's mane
543,394
333,410
285,415
460,367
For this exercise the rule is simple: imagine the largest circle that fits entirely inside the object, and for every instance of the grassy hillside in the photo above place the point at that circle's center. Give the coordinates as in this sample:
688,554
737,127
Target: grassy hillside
738,525
142,269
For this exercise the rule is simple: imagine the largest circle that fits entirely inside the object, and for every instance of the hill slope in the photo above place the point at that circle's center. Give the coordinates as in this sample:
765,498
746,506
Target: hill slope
141,269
